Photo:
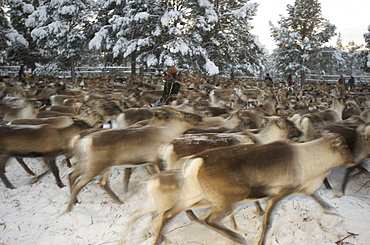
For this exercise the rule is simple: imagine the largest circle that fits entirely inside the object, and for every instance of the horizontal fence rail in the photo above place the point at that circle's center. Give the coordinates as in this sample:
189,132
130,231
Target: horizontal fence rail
335,78
85,71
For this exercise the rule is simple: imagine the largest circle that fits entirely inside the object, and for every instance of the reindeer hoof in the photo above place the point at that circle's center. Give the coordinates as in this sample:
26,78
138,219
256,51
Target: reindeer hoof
331,210
61,185
10,186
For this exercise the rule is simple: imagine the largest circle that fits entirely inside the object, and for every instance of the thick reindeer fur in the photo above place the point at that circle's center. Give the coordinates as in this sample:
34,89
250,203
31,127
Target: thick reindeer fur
227,175
130,147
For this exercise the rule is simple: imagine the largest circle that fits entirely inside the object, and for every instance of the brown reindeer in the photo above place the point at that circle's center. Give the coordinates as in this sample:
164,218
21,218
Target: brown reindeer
224,176
44,141
130,147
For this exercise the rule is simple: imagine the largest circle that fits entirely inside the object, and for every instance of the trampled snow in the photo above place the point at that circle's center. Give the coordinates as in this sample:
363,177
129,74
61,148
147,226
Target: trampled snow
32,214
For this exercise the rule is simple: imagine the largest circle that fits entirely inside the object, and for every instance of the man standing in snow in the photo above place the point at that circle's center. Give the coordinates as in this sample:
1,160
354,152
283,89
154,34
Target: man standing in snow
341,80
289,81
351,82
21,74
172,85
268,80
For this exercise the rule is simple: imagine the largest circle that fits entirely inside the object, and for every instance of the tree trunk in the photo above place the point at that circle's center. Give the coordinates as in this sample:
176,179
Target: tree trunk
141,71
73,73
133,64
303,77
215,79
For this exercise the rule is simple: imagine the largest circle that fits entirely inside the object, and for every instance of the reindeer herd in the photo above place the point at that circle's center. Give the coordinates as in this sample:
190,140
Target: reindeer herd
216,145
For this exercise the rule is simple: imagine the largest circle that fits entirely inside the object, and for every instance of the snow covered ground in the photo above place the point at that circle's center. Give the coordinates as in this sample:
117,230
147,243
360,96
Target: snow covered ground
32,214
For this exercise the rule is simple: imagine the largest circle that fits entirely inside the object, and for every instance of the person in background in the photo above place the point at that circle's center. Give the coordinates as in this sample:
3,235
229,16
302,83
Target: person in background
172,86
341,80
21,74
351,82
289,81
268,80
232,75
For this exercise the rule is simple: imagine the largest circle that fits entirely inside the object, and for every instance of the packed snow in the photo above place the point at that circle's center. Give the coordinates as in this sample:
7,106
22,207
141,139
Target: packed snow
33,214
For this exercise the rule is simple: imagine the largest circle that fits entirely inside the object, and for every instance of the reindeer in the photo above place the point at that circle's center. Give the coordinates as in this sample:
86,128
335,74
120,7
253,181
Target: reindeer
220,124
88,115
357,138
61,121
274,171
312,123
44,141
11,113
62,99
160,117
171,181
190,144
252,96
132,116
130,147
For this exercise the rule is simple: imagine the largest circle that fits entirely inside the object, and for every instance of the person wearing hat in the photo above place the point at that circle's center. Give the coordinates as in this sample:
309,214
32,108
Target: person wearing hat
341,80
268,80
351,82
289,80
172,86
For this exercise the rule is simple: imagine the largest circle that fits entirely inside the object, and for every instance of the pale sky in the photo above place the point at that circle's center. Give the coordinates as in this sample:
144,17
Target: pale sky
351,17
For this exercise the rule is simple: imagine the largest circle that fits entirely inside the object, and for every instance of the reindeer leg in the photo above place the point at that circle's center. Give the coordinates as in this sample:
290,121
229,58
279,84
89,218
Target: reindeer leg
68,162
76,188
3,161
326,206
72,177
167,216
216,215
54,169
24,166
162,219
37,177
192,216
361,170
105,186
271,204
128,172
137,215
327,184
260,211
346,179
151,170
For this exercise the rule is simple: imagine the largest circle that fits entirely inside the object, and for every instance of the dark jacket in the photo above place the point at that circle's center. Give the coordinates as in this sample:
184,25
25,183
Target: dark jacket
351,81
21,72
172,85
